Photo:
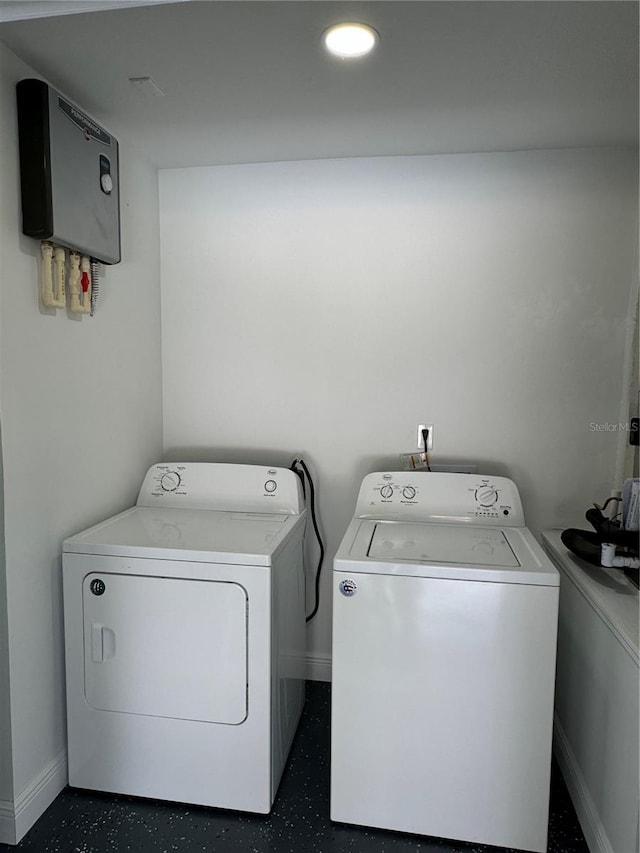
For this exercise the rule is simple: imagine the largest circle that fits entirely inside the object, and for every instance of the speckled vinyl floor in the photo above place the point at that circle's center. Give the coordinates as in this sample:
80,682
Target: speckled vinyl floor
86,822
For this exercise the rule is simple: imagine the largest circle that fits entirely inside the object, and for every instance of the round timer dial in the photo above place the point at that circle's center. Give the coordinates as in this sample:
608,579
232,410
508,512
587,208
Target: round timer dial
170,481
386,492
486,495
409,493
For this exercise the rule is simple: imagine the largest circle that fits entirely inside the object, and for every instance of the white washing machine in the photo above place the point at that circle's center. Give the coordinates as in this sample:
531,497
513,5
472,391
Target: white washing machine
185,638
444,643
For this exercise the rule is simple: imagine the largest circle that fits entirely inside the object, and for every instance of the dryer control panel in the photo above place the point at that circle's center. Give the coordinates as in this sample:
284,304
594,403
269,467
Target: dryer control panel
222,486
440,497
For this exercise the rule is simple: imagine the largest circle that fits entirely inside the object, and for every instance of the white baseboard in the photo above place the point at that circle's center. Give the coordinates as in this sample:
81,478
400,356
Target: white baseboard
318,667
7,823
17,818
594,832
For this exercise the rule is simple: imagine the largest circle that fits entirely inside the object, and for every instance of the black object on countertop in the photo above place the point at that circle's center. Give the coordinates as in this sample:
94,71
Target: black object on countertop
587,544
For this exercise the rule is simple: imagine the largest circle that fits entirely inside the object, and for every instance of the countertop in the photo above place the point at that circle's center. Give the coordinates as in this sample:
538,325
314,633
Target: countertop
609,591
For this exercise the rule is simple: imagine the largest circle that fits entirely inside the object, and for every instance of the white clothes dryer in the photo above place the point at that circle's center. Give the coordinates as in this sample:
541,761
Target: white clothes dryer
445,616
185,638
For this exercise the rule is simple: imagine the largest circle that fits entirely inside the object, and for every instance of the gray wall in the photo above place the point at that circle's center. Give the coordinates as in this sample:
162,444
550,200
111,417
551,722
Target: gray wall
80,403
6,775
328,307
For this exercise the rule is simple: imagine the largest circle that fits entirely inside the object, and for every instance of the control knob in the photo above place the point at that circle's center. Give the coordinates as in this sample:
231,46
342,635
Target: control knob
386,491
409,493
486,496
270,486
170,481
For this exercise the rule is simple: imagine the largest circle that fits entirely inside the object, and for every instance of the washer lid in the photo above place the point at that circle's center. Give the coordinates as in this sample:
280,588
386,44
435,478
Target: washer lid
453,551
434,543
205,536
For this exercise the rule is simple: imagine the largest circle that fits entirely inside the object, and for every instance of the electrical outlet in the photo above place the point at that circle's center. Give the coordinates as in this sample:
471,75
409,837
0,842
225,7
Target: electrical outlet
420,438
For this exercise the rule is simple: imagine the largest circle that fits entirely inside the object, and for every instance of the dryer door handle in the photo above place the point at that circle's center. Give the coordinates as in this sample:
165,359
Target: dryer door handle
97,642
103,643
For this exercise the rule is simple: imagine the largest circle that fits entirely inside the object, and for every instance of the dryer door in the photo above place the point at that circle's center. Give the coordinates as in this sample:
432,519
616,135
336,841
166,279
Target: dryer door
166,647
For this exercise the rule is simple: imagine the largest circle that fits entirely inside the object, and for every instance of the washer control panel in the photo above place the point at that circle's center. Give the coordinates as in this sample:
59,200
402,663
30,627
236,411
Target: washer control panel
222,486
440,497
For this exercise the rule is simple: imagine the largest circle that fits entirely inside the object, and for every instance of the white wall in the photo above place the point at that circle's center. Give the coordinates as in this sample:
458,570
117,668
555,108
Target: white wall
6,775
80,405
6,180
327,307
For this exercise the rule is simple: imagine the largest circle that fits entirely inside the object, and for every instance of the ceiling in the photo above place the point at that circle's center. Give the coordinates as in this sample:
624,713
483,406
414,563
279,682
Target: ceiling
248,81
21,10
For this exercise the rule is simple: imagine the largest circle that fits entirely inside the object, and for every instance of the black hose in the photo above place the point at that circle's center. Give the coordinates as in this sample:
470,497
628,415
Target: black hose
312,502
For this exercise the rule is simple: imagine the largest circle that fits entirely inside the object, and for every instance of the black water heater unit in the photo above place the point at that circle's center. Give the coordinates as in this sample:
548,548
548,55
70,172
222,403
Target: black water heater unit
68,174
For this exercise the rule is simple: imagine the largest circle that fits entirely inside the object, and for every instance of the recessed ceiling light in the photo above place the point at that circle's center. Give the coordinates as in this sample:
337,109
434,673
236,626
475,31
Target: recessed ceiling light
350,41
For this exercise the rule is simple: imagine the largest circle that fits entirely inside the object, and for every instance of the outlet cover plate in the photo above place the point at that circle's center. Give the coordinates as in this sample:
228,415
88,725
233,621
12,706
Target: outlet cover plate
420,442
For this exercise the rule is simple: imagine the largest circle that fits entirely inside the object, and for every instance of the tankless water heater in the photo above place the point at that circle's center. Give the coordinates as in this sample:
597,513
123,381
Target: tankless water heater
68,174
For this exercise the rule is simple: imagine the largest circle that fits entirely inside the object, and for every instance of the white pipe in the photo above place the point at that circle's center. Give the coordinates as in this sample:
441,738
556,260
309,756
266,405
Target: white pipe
59,261
46,291
74,283
85,284
609,560
80,301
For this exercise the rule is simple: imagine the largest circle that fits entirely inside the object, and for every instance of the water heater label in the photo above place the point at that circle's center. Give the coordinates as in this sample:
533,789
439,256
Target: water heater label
88,127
